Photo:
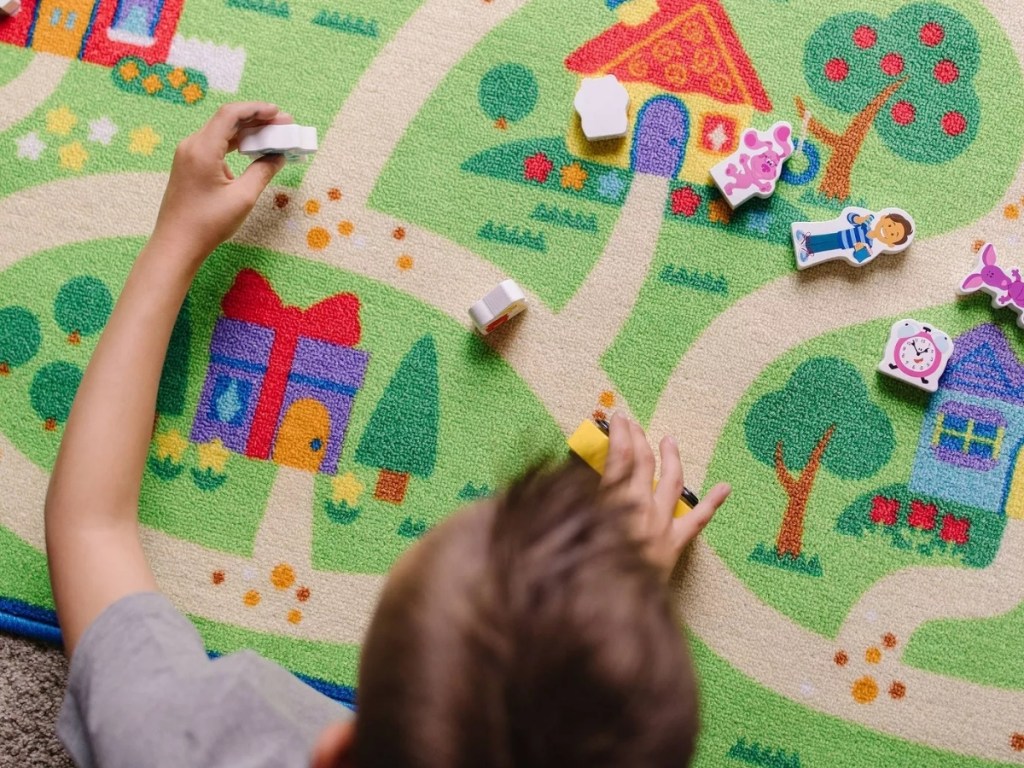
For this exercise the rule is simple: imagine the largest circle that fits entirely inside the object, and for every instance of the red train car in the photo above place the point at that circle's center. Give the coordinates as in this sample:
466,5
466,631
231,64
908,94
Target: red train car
100,31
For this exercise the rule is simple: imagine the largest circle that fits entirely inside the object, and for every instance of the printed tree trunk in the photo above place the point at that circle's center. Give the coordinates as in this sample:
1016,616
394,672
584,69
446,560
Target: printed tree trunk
798,490
846,146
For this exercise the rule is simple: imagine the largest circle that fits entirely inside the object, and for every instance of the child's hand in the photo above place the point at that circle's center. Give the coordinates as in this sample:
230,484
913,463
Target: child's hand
631,465
204,204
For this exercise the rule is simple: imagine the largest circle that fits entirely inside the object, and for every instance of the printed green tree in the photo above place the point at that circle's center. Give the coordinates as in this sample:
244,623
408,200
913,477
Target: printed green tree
910,76
507,94
822,418
82,307
19,338
170,398
401,438
53,391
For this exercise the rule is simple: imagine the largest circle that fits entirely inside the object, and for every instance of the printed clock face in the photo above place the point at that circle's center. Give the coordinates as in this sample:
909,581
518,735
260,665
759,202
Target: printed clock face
917,355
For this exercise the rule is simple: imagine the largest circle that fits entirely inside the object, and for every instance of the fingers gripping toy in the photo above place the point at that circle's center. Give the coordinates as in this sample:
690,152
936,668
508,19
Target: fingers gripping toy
917,354
754,168
1005,289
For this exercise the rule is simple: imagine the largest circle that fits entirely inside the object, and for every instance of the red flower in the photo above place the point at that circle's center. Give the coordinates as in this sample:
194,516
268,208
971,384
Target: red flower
955,529
884,511
537,167
685,201
922,515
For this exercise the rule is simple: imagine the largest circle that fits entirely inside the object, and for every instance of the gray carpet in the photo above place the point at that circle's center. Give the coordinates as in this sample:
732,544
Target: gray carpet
31,687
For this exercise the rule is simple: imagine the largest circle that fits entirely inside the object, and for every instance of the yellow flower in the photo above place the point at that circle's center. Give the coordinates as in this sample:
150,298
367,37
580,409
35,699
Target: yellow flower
152,84
60,121
192,93
73,156
573,176
213,455
346,488
177,77
170,445
129,70
143,140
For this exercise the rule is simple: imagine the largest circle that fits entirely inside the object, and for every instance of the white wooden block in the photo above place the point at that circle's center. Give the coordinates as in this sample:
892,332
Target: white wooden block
498,306
10,7
754,168
857,235
917,354
292,141
602,103
1006,289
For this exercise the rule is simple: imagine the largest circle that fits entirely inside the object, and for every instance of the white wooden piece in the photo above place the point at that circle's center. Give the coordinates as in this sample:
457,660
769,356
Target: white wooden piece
9,7
916,353
1006,289
602,103
857,235
292,141
498,306
754,168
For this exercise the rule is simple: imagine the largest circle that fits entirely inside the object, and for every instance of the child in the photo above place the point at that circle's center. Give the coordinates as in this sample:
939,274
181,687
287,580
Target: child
535,629
869,235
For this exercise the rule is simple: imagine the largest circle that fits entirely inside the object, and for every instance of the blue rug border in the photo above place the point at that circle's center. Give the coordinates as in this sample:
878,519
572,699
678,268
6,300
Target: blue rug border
36,623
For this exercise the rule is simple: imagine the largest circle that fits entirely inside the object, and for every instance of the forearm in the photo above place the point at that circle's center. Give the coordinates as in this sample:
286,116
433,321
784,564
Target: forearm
99,468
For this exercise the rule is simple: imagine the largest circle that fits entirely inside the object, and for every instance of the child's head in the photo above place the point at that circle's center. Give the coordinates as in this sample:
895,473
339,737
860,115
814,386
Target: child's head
528,630
894,229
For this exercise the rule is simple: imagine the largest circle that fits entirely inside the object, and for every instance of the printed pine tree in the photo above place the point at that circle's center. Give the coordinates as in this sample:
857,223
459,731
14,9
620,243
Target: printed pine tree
170,398
401,438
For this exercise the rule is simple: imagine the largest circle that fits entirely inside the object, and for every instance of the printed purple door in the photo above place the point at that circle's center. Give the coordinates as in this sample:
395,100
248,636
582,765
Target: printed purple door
659,141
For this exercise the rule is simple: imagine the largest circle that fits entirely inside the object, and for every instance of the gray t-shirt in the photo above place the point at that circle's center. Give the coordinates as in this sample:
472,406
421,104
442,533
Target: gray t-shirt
142,691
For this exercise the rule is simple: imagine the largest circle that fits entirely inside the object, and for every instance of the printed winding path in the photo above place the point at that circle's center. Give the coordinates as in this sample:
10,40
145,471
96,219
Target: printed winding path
32,86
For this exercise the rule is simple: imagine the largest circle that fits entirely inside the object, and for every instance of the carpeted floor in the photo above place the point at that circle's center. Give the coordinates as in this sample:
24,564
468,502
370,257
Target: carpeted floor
32,679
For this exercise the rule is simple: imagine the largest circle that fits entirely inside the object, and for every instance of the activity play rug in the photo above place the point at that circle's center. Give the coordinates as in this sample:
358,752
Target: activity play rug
860,600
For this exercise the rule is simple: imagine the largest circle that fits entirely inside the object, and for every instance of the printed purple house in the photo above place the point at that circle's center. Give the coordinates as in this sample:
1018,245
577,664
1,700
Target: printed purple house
281,380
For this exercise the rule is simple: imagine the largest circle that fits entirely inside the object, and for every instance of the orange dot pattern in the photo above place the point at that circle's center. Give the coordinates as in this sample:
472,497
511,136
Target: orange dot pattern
865,690
283,576
302,594
897,690
318,238
889,640
217,577
977,245
399,233
606,399
294,616
404,262
1017,742
312,207
599,415
872,655
334,194
281,200
251,598
1011,212
841,658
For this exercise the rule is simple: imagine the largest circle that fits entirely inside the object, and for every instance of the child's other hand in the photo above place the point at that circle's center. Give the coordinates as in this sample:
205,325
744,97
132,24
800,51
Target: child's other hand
204,204
631,465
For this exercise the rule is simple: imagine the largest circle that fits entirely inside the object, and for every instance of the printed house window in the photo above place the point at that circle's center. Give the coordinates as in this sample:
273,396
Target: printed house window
968,436
230,401
135,22
718,134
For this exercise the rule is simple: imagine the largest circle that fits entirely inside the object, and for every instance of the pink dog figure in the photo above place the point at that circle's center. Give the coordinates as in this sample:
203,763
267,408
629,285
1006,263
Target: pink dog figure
755,167
1005,289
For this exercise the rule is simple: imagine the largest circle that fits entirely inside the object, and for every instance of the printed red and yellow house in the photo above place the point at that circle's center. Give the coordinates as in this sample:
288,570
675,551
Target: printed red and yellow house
99,31
692,87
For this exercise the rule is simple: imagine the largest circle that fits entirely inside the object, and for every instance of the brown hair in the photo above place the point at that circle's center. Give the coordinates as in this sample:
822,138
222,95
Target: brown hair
533,633
907,228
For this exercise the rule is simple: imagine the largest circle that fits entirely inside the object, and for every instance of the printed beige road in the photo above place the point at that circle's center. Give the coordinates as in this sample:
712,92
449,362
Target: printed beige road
22,95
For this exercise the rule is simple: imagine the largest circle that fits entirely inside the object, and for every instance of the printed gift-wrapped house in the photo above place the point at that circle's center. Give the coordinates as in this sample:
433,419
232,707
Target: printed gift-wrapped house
281,380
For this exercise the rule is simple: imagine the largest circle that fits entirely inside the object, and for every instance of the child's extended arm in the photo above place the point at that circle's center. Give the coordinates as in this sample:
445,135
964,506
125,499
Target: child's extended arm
92,540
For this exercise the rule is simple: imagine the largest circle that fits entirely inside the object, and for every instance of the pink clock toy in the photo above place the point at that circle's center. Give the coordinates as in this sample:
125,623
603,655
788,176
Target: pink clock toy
917,354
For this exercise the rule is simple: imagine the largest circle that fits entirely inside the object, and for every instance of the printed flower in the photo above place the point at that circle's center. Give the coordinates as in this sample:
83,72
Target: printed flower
346,488
102,130
30,146
177,77
574,176
884,511
922,515
152,83
213,455
719,212
685,201
192,93
129,71
73,156
955,529
60,121
609,186
537,167
143,140
170,445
